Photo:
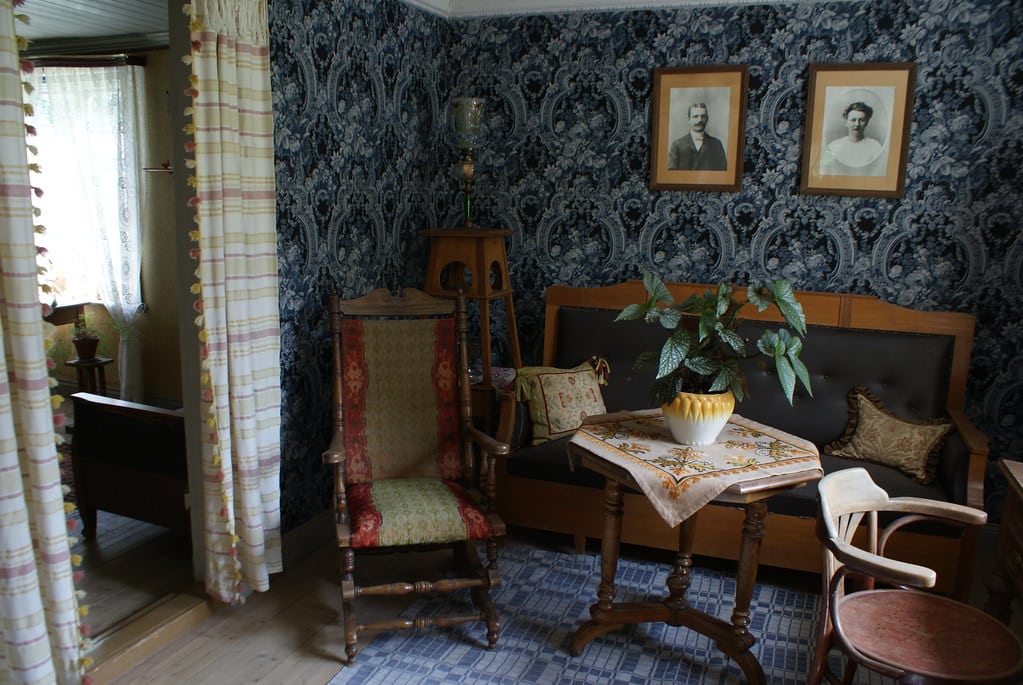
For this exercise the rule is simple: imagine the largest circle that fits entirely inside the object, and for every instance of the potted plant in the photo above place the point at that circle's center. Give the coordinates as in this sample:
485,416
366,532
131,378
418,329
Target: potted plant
84,338
698,376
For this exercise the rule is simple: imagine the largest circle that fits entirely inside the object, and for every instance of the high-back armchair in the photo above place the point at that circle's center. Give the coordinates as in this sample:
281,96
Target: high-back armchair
405,471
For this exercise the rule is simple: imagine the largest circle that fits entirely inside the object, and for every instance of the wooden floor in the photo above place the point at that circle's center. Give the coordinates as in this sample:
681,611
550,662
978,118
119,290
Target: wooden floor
130,566
292,633
289,635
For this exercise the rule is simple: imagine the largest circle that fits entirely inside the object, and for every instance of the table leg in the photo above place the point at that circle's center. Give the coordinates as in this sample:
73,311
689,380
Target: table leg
734,639
102,385
749,559
599,612
681,576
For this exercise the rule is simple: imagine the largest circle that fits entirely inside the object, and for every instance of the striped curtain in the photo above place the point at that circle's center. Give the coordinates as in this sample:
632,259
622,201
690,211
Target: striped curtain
39,632
239,330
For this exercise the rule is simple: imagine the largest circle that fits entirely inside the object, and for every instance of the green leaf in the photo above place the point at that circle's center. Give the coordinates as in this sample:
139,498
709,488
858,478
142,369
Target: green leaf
729,377
758,296
786,376
632,312
733,339
670,318
705,366
674,352
793,349
789,306
724,299
802,373
656,289
708,324
767,342
690,305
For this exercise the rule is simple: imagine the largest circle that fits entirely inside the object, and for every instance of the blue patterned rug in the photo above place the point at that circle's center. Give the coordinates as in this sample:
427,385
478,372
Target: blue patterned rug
546,595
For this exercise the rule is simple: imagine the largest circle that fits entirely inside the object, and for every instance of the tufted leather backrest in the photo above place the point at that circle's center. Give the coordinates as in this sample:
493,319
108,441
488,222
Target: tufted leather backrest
908,371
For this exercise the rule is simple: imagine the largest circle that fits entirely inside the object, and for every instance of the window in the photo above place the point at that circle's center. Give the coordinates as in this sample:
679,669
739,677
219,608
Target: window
88,123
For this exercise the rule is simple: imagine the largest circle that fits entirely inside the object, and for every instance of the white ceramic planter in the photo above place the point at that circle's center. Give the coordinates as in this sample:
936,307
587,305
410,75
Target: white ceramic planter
697,419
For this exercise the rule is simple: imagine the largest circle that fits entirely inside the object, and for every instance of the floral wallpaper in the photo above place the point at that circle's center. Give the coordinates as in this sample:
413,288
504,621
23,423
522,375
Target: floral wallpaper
365,160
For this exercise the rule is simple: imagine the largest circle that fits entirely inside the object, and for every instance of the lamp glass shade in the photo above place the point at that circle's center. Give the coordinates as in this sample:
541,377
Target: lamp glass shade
468,122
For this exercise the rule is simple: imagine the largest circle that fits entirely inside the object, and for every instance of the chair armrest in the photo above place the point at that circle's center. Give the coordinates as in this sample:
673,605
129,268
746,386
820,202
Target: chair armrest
876,566
491,445
335,452
977,444
937,509
506,415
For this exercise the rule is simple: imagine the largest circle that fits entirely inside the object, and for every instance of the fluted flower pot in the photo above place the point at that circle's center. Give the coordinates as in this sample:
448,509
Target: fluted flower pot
696,418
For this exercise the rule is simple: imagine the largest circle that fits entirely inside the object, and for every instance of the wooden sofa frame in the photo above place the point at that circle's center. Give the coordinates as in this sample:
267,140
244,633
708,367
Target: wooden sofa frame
789,541
129,459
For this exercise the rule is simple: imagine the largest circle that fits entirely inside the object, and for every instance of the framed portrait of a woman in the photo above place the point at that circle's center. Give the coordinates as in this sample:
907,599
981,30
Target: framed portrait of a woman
858,118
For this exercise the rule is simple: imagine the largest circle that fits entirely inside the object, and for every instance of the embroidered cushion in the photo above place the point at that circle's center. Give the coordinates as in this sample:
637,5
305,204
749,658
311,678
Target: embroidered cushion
876,435
413,511
559,399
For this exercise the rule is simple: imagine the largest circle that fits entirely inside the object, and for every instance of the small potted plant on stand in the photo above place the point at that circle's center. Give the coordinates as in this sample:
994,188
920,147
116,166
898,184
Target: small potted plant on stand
698,374
84,338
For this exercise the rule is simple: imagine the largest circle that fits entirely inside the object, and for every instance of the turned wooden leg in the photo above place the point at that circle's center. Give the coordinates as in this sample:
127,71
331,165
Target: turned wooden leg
681,576
749,559
613,505
88,521
493,580
348,603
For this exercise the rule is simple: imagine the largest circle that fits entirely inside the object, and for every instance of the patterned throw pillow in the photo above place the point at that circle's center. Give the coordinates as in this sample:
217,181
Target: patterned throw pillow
559,399
876,435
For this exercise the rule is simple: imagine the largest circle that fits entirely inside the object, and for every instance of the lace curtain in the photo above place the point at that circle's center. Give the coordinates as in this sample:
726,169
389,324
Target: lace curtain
89,123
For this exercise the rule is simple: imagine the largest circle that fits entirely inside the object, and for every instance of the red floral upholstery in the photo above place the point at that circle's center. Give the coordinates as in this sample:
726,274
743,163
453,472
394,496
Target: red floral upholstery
411,470
400,399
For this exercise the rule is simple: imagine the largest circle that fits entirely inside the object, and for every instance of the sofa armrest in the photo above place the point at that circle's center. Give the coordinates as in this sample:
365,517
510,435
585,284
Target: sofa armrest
976,444
514,427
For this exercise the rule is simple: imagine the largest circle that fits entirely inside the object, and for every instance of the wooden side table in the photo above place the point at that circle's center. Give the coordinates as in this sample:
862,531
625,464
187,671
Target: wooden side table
618,447
1006,581
92,376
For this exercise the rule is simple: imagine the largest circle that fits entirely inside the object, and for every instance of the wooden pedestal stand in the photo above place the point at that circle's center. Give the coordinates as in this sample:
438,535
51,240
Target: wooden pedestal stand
474,261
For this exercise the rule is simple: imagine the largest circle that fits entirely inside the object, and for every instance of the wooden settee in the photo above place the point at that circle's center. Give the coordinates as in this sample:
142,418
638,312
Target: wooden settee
916,362
128,459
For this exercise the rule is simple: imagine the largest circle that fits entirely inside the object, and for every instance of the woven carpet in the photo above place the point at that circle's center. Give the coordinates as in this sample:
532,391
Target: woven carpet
546,595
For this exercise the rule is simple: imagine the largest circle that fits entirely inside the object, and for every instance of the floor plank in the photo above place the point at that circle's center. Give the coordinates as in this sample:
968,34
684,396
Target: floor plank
129,566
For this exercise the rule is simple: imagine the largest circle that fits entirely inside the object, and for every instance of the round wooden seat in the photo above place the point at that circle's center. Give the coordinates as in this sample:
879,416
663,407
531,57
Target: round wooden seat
931,636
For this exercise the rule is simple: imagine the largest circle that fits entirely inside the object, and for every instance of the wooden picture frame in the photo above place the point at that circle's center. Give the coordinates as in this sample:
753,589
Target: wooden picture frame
858,118
680,95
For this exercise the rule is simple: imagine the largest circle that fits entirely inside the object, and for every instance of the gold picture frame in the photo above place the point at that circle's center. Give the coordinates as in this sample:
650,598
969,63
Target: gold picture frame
858,118
682,96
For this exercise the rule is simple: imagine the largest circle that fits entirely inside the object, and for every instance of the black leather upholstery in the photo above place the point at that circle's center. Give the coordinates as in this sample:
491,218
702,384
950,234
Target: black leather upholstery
909,372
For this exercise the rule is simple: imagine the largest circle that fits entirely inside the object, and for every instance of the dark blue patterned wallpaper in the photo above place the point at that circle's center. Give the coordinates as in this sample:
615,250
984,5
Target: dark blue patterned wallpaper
362,92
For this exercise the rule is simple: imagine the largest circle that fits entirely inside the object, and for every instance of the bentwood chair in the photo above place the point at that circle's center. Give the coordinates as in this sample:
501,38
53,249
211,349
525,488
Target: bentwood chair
402,448
887,623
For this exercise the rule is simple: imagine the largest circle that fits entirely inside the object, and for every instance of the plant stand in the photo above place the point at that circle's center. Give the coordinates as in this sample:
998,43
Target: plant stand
91,374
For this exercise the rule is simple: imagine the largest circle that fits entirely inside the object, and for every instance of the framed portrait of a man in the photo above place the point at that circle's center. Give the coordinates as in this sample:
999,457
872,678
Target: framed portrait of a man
697,126
858,118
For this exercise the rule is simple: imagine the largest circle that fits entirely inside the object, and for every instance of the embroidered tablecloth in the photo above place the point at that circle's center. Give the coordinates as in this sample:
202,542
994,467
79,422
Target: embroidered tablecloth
680,479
